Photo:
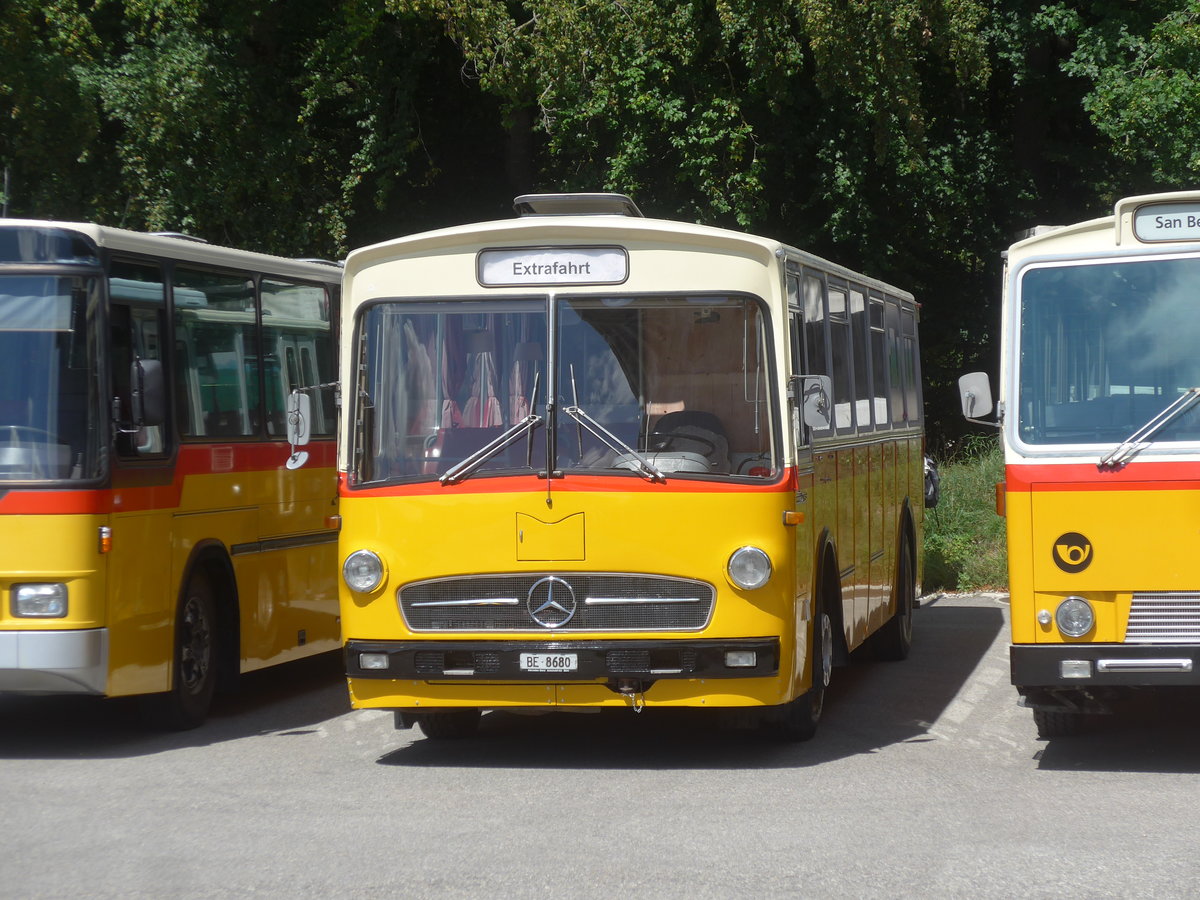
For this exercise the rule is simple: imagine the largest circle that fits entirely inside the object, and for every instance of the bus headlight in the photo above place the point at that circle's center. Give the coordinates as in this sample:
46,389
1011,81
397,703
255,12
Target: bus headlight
749,568
363,571
39,601
1074,617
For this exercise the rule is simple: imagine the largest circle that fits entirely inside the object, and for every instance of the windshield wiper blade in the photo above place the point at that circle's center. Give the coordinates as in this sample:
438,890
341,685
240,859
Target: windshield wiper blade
1140,439
463,470
614,443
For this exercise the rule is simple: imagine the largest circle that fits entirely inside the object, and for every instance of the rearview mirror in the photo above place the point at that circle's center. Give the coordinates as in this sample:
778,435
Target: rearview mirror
975,392
148,394
299,427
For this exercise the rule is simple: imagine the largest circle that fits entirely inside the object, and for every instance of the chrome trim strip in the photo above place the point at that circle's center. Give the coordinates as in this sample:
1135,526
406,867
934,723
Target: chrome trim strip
601,601
1143,665
314,539
478,601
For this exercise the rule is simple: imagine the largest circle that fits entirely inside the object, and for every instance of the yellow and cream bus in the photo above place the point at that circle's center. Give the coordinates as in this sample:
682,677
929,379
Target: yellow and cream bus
591,459
1099,382
163,531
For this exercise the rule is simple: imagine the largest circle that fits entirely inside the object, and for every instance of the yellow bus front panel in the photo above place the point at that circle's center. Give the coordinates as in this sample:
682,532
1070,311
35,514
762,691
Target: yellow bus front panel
45,650
1110,540
691,535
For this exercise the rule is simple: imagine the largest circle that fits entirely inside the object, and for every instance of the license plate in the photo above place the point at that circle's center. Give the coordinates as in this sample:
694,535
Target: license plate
549,662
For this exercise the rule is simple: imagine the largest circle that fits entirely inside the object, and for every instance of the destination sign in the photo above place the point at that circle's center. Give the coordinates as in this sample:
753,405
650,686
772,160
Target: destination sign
526,266
1167,222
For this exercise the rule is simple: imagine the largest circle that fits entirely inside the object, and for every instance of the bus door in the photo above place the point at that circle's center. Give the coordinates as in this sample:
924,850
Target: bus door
140,602
802,456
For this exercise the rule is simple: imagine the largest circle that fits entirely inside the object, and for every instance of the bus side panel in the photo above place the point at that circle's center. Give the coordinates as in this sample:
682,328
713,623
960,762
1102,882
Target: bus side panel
805,568
233,528
853,610
141,607
300,582
1018,518
878,576
862,537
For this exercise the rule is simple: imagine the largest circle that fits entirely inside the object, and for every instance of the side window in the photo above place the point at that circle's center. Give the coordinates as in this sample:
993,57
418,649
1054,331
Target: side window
891,322
816,345
796,351
879,381
861,335
842,358
217,376
297,352
911,365
137,298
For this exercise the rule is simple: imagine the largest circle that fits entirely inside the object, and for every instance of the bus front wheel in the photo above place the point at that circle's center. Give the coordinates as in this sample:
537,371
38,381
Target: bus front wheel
461,723
194,676
797,721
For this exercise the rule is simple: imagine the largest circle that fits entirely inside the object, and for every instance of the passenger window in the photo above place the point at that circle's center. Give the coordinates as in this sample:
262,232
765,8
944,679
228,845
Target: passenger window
842,358
218,376
296,336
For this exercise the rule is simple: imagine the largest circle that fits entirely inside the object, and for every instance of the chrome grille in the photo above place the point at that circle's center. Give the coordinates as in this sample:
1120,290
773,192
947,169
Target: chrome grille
600,602
1164,617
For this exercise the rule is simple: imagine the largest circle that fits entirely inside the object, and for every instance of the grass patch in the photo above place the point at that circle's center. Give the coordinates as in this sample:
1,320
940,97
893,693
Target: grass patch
964,538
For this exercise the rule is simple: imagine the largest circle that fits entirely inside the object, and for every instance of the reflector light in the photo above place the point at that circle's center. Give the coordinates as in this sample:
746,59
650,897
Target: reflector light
1075,668
741,659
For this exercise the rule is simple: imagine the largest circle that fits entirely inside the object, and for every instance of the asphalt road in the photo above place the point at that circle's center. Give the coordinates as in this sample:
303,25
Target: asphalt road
925,780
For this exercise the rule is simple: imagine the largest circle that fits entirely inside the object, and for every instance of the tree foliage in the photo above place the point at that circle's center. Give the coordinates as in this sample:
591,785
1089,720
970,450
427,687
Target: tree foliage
909,138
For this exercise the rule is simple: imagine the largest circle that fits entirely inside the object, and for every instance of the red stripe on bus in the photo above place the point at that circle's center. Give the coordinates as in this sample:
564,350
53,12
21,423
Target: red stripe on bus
1023,478
596,484
193,459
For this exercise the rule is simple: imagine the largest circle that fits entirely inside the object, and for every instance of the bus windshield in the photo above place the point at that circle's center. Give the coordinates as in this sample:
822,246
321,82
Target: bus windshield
673,385
1105,348
49,406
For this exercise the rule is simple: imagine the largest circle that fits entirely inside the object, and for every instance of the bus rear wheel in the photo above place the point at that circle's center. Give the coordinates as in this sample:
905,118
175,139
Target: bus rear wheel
194,673
893,641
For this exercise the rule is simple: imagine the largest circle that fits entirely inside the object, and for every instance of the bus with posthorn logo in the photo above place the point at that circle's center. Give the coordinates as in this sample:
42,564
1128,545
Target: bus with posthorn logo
1099,413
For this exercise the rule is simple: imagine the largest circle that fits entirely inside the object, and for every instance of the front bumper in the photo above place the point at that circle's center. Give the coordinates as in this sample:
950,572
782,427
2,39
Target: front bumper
54,662
595,660
1104,665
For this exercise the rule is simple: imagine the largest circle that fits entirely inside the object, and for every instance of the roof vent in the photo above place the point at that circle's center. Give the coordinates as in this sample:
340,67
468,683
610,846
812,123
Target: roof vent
576,205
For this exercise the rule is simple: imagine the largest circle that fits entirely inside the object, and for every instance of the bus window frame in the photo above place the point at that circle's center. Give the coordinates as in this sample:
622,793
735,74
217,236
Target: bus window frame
775,421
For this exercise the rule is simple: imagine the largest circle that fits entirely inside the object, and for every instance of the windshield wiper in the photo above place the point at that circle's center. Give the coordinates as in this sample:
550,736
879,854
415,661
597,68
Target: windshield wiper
1140,439
646,468
464,469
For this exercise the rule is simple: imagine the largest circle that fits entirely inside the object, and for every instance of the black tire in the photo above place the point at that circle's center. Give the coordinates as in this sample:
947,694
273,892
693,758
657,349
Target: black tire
893,641
455,725
194,673
1054,723
797,721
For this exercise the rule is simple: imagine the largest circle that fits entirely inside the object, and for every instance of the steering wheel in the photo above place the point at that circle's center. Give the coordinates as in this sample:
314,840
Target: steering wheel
666,442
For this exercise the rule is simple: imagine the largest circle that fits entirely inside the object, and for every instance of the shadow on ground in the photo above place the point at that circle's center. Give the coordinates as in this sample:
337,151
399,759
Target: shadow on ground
290,698
870,705
1154,731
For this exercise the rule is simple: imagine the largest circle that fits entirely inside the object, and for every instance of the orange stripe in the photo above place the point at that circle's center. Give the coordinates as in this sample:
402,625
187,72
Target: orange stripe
193,459
571,483
1159,476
